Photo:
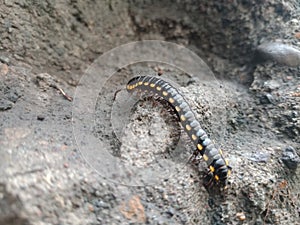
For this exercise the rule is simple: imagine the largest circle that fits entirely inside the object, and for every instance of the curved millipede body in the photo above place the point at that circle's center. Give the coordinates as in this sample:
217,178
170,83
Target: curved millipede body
217,164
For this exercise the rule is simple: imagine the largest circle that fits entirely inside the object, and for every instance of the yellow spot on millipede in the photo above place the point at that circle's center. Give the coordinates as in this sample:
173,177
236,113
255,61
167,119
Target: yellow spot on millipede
194,137
217,177
226,162
228,173
205,157
177,108
212,169
182,118
188,127
141,82
200,147
152,85
146,83
220,151
171,100
165,93
158,88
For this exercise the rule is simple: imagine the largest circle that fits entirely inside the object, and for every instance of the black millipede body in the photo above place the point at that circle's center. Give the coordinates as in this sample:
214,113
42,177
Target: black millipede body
217,164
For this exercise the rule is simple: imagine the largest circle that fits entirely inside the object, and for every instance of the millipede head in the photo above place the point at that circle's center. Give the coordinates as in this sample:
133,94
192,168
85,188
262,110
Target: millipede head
217,178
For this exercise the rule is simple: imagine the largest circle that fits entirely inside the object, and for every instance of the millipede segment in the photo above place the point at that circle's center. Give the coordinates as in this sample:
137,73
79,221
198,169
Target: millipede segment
218,166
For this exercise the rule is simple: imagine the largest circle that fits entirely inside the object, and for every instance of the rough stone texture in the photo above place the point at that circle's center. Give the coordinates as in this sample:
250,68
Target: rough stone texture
46,45
62,36
239,27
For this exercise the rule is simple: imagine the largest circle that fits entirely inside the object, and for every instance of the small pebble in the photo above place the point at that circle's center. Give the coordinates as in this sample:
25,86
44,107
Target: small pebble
297,35
290,158
170,211
4,59
101,204
3,69
272,85
241,216
5,105
258,156
91,208
267,99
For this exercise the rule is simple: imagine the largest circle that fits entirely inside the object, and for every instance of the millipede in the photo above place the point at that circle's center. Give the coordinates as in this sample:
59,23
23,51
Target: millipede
218,166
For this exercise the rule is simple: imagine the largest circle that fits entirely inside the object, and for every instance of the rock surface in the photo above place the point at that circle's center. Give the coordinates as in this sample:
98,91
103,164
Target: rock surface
252,112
